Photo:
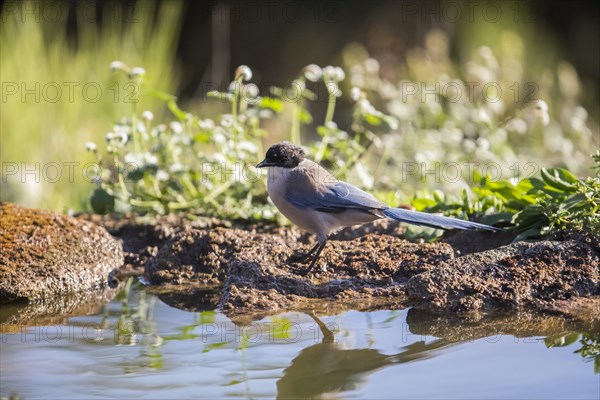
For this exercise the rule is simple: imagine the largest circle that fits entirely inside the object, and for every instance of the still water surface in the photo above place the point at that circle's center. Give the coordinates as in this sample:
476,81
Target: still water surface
139,347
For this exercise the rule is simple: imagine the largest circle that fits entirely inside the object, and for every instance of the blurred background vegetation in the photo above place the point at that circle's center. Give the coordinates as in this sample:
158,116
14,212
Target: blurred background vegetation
418,105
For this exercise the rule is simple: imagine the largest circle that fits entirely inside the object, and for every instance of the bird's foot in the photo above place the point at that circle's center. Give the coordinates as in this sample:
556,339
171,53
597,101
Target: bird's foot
312,269
304,257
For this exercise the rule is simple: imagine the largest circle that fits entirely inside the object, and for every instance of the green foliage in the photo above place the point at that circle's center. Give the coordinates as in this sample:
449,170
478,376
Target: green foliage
189,163
532,207
589,341
493,106
207,165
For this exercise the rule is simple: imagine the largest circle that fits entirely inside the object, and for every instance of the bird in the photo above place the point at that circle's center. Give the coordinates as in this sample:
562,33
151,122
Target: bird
314,200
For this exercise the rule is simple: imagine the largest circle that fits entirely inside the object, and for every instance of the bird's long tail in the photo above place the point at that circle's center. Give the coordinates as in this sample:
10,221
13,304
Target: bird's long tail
433,221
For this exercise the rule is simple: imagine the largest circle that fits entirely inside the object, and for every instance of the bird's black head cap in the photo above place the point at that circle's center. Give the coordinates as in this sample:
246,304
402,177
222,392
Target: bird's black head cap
284,154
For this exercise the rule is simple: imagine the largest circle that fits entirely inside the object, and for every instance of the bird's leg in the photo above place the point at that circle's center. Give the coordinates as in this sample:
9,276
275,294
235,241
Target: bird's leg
321,246
310,252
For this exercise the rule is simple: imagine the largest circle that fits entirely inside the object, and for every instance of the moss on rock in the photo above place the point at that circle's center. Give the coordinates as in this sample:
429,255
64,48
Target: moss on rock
44,254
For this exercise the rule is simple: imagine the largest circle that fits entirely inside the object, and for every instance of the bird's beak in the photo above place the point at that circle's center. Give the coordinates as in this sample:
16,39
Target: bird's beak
262,164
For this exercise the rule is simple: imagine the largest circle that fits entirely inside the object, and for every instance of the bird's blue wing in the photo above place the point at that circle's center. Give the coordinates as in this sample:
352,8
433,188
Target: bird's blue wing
334,198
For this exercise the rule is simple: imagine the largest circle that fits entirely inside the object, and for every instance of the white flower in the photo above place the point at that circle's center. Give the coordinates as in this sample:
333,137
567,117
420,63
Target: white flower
331,125
244,72
123,137
366,107
517,125
206,124
537,112
140,127
110,136
219,157
121,129
162,175
150,159
226,120
355,93
137,71
313,72
483,143
148,116
120,66
250,91
219,137
340,75
176,127
91,146
176,167
372,65
136,159
234,87
247,146
328,72
331,73
265,114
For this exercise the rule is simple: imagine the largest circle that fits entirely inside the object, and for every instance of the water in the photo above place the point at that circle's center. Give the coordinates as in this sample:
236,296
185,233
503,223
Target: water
136,346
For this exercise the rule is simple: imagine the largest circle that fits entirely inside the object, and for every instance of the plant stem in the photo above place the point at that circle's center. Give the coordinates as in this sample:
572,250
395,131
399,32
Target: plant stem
328,119
330,108
295,134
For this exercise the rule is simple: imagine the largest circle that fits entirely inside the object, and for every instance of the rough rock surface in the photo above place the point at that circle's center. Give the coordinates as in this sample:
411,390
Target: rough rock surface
260,273
510,277
43,253
142,237
257,269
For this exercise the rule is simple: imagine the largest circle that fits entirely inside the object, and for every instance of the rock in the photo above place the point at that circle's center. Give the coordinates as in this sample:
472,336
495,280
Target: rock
143,236
260,272
510,277
467,242
201,256
46,254
258,269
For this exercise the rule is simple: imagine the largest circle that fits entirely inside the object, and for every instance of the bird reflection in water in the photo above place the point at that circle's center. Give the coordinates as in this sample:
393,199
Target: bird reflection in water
327,368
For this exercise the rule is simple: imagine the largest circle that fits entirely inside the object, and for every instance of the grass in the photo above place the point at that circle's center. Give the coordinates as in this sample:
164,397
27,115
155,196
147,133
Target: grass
73,96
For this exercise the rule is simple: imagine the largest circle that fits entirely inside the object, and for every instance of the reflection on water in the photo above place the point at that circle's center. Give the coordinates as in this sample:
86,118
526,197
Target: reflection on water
327,367
136,344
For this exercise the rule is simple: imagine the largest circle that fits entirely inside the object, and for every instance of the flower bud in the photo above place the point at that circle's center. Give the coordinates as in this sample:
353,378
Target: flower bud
243,72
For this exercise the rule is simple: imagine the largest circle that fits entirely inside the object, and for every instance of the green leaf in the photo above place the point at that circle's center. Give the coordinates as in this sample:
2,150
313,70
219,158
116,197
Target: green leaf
272,104
305,117
102,202
177,112
529,233
213,346
207,317
502,217
561,340
135,175
372,119
422,203
559,178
